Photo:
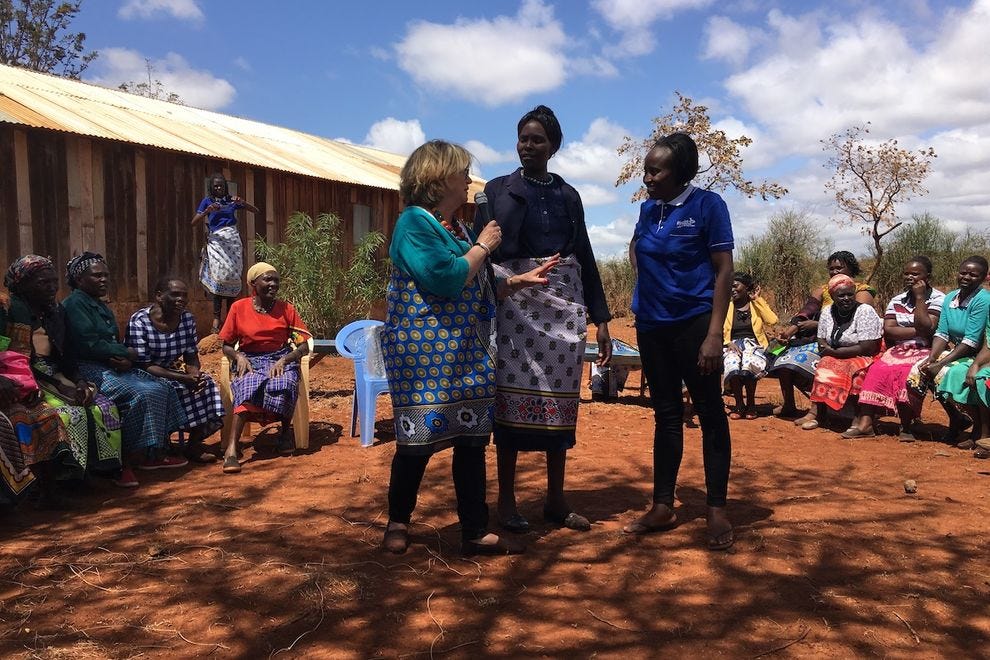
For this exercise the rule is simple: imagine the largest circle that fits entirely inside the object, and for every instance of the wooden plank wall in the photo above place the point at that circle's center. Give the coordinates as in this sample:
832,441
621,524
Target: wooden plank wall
62,193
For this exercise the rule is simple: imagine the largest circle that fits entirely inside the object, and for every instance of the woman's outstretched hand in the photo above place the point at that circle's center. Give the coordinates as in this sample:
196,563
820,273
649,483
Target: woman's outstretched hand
536,277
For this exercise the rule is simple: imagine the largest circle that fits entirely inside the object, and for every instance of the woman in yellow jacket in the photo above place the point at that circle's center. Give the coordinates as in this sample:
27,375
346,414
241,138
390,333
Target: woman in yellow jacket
744,358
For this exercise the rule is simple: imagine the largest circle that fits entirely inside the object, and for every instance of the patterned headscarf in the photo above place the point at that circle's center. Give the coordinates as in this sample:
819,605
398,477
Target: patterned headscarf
840,281
24,268
80,264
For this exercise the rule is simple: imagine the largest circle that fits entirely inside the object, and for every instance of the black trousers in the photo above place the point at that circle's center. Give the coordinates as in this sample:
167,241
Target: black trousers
469,486
670,355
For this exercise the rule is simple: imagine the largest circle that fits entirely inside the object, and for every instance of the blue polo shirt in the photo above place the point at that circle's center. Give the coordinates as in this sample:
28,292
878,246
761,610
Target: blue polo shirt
224,217
674,242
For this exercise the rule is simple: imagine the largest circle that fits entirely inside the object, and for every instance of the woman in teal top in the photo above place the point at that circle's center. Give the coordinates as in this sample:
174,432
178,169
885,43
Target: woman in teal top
437,343
963,323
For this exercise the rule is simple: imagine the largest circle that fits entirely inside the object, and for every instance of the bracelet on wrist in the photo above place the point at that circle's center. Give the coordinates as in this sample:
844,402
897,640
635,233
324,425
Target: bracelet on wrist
488,251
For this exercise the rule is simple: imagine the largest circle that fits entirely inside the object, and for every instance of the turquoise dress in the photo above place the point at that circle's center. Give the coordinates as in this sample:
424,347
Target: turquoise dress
962,322
437,339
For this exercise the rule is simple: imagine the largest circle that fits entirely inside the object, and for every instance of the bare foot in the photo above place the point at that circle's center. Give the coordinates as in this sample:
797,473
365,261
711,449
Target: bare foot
659,518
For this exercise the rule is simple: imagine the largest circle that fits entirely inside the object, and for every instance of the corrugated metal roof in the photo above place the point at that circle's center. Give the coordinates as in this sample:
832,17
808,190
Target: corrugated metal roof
45,101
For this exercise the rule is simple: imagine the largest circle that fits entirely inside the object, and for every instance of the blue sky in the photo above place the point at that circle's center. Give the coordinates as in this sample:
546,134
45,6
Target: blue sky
391,74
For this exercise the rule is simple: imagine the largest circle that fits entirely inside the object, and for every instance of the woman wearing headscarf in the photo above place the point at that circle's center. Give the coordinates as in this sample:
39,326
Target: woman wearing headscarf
222,258
264,338
37,325
796,366
163,335
543,330
437,343
682,254
949,370
908,328
149,409
849,335
744,358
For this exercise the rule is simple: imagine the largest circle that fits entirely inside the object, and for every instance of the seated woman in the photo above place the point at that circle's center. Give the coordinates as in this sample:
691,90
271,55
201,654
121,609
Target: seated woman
31,434
908,327
962,325
37,327
149,409
164,340
796,366
256,337
848,338
744,359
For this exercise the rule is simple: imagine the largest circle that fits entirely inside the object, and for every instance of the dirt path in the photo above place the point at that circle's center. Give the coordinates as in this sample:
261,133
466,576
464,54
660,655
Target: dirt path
833,558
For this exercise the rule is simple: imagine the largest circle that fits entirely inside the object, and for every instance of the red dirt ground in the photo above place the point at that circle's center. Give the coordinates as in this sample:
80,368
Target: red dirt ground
832,559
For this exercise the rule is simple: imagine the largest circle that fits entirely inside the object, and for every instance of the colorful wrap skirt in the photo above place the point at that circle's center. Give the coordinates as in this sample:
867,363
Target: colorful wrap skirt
203,407
801,360
950,384
257,392
29,434
542,332
745,359
222,262
837,379
438,359
886,382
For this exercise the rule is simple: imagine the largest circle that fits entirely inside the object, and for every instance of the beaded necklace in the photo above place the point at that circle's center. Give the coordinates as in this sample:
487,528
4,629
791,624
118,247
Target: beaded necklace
537,182
457,231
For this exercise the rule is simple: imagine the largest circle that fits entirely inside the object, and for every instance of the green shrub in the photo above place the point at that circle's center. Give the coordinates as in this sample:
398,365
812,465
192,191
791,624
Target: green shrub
618,280
787,260
327,293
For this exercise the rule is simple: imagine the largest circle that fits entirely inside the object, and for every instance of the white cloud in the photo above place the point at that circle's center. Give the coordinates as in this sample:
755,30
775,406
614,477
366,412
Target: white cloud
489,62
612,238
634,19
242,63
592,158
187,10
396,136
486,155
380,53
196,87
727,40
595,195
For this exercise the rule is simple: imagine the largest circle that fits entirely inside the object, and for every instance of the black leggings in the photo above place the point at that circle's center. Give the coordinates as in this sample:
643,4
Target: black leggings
469,485
670,355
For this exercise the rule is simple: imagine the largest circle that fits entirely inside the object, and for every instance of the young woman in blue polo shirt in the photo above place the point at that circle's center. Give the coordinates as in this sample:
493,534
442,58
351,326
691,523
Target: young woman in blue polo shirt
682,253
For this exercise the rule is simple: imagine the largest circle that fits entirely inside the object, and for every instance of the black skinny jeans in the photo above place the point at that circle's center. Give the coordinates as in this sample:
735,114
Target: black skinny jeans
670,355
469,485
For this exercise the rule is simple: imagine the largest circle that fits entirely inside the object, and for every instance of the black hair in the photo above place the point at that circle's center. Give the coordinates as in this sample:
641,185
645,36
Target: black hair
545,117
162,285
847,258
745,278
221,177
683,156
923,260
979,261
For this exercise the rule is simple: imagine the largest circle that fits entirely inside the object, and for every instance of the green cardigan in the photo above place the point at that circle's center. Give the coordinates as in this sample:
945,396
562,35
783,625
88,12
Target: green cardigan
424,250
93,331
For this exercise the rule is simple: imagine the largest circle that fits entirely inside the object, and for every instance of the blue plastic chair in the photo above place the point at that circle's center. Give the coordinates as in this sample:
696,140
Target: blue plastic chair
350,343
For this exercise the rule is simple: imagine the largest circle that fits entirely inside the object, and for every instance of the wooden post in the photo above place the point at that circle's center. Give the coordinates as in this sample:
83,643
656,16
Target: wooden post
79,183
25,233
99,203
249,219
141,223
271,228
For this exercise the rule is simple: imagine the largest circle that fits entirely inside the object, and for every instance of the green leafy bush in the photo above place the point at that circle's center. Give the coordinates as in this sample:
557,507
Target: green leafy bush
327,293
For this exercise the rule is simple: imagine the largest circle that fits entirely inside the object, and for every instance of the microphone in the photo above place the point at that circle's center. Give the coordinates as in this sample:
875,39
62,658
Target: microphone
481,201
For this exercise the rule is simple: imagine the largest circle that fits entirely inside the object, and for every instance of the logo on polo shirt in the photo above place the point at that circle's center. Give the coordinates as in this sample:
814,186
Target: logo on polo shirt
689,222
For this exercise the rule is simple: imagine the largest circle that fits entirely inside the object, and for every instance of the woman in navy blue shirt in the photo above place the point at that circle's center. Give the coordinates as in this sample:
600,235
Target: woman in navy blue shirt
682,253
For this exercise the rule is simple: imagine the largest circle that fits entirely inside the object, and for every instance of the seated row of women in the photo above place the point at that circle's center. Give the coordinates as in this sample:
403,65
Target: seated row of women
75,398
840,351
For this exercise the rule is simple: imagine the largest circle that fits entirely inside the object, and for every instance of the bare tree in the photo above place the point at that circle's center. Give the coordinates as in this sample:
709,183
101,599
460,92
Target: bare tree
871,179
723,168
35,34
153,88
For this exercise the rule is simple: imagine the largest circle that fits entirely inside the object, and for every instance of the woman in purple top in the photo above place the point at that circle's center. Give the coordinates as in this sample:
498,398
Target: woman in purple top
220,271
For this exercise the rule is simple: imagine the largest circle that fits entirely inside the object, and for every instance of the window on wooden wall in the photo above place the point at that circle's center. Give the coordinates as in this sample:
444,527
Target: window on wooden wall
362,222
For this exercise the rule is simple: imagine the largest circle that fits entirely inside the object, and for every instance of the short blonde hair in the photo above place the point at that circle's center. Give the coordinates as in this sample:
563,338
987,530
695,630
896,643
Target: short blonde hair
423,177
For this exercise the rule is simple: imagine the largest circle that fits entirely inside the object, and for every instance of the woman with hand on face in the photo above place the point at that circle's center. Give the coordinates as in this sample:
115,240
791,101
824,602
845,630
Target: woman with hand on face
542,331
437,343
36,323
682,252
744,358
908,328
849,335
264,338
164,339
796,366
222,259
949,369
149,409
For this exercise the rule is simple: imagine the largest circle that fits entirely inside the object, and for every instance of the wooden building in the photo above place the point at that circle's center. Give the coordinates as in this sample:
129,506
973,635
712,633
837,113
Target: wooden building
83,167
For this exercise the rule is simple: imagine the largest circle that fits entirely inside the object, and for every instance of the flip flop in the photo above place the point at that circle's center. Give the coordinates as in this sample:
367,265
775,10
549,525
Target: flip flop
810,425
723,541
639,528
855,432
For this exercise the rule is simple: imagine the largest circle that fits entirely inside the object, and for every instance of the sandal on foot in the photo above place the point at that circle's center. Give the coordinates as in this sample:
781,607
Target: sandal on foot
570,520
735,414
515,524
722,541
856,432
810,425
966,444
906,436
231,465
199,455
983,443
501,546
640,528
396,540
749,413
